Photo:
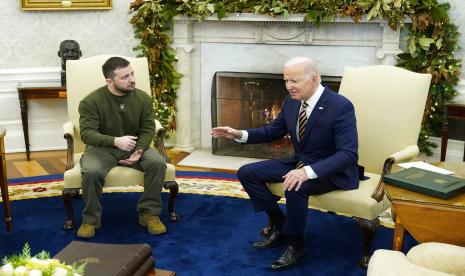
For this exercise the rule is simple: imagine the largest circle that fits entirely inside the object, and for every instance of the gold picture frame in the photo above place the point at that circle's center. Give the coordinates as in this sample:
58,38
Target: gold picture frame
30,5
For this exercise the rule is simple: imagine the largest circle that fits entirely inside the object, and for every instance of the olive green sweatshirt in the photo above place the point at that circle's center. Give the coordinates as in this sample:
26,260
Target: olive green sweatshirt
104,116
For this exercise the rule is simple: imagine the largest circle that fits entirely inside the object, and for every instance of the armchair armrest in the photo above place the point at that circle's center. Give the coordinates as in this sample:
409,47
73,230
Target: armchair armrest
405,154
441,257
68,130
159,143
402,155
393,263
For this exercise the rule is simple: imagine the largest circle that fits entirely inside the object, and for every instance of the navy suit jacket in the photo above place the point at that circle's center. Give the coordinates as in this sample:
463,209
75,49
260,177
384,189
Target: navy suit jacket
330,142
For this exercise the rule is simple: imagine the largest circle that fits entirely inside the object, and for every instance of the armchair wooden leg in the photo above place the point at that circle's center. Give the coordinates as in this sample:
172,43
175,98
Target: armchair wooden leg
368,229
68,195
174,188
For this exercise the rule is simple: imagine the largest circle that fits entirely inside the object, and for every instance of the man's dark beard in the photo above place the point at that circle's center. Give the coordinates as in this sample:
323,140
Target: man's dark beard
123,90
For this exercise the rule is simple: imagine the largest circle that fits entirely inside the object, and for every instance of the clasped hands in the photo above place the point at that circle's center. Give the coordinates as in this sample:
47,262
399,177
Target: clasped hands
128,143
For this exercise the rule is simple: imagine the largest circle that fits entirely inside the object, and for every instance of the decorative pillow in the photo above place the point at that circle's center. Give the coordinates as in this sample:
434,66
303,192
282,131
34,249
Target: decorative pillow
439,256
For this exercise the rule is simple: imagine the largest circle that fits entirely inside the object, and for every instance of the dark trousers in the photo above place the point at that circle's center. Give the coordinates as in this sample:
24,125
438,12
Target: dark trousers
254,177
95,165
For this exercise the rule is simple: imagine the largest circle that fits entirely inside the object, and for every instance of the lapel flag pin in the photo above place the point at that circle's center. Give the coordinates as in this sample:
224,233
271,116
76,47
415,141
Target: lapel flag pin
320,108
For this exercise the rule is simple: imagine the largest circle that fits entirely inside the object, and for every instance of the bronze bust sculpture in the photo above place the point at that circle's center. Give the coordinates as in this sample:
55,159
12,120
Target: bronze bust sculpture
69,49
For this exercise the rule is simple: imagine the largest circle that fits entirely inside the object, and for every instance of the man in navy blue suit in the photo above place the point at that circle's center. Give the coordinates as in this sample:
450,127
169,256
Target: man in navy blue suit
323,130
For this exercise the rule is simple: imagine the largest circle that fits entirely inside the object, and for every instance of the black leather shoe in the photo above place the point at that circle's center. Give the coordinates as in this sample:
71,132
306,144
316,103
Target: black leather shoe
274,239
289,258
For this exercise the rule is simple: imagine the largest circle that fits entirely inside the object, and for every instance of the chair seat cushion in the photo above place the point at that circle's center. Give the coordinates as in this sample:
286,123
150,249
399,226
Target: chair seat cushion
118,176
358,203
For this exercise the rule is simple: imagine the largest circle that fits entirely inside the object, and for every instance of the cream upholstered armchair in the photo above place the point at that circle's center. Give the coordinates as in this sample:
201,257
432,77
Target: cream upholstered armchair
426,259
82,77
389,104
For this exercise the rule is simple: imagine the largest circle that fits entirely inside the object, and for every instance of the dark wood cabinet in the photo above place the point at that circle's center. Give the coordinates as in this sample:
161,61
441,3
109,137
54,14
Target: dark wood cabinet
451,111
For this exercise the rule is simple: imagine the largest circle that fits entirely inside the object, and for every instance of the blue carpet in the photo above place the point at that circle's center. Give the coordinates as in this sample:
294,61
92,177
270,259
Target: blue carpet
35,179
214,236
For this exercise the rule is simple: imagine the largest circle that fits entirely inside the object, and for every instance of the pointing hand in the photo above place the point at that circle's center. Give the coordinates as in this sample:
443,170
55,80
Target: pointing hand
227,132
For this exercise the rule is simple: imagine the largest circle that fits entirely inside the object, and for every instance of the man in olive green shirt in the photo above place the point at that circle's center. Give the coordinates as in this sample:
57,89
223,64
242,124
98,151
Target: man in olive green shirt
117,126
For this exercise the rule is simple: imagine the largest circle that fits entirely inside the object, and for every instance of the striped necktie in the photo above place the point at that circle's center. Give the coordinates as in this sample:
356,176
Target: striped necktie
302,125
302,120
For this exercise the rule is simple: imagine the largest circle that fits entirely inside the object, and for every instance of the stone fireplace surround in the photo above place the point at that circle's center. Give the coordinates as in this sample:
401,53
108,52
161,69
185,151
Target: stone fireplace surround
262,44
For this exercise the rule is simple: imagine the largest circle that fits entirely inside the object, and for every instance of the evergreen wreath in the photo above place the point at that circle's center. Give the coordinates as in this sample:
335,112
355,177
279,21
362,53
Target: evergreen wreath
432,40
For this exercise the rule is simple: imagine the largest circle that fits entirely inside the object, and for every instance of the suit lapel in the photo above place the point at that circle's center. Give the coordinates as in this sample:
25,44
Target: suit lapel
294,117
317,111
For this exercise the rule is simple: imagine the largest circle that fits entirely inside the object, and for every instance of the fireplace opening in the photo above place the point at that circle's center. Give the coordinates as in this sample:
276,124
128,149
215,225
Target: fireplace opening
250,100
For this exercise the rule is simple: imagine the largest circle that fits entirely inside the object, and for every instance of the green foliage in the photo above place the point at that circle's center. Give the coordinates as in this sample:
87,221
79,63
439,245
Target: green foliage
151,22
43,255
40,261
19,259
431,43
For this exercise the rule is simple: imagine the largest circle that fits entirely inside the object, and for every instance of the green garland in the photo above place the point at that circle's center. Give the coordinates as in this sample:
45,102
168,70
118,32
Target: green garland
432,41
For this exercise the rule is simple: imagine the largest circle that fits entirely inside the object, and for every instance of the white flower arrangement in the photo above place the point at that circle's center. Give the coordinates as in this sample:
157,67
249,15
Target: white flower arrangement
38,265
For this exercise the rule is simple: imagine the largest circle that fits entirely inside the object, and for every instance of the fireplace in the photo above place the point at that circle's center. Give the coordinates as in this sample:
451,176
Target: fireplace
250,100
258,43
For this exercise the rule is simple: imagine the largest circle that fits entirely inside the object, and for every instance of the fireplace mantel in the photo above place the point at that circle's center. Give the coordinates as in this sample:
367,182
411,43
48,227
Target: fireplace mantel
260,43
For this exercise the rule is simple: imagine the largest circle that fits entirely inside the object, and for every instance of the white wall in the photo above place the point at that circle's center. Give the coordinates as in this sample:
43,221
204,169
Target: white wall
29,42
32,38
45,116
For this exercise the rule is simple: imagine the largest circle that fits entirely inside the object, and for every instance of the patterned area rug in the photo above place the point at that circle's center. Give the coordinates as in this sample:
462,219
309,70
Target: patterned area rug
205,183
190,182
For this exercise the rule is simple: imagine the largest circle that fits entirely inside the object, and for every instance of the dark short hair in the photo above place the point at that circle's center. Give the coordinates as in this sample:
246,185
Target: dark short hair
113,63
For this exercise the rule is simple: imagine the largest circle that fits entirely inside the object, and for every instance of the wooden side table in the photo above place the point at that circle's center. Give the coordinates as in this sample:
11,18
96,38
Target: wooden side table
451,111
29,93
4,181
426,218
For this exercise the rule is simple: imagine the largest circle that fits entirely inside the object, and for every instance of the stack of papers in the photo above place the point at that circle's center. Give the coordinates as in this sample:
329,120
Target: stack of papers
424,166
